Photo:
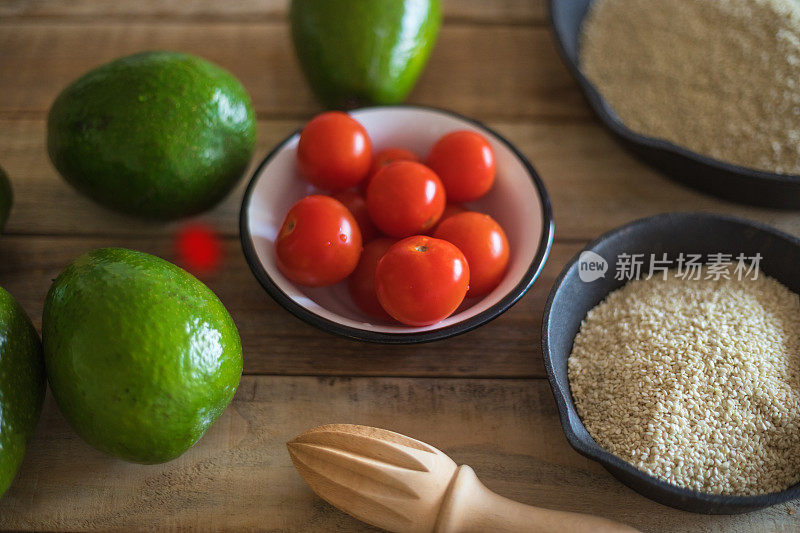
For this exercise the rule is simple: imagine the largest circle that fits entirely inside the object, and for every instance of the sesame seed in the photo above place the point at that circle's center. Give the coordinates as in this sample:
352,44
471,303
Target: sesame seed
696,382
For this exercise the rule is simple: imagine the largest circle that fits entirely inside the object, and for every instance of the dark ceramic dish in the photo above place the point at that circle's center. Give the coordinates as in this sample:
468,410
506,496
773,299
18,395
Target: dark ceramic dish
518,201
571,299
715,177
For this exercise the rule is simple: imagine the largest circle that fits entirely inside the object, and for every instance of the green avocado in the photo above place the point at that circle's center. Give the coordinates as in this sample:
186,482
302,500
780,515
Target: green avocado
359,52
141,356
21,386
6,199
158,135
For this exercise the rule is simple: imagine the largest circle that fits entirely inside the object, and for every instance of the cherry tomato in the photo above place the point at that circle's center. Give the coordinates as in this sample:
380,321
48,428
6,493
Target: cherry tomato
421,280
362,282
405,198
449,210
357,205
334,152
319,243
383,158
483,243
464,161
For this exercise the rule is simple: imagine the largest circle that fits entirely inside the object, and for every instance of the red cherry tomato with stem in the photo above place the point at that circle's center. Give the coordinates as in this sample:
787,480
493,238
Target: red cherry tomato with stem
464,161
405,198
383,158
334,152
361,282
421,280
319,243
483,243
357,205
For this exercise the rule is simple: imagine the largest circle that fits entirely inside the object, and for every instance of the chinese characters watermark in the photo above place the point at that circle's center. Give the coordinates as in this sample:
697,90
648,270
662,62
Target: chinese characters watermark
713,266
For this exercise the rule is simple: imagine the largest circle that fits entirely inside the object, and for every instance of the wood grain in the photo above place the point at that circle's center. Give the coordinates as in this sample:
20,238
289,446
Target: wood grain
500,71
475,11
239,476
275,342
593,183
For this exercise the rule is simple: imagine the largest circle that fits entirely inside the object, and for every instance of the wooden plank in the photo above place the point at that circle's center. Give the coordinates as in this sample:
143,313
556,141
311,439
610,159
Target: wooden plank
239,475
594,185
478,11
490,71
275,342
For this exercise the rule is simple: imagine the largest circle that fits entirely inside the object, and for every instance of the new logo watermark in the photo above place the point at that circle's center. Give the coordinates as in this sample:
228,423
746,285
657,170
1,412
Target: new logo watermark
714,266
591,266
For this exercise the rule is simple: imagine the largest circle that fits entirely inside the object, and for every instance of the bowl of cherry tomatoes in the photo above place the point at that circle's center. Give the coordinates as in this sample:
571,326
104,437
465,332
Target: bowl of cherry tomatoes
396,224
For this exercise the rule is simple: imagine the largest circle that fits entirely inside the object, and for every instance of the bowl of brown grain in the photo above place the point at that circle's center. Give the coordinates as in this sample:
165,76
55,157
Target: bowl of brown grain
672,347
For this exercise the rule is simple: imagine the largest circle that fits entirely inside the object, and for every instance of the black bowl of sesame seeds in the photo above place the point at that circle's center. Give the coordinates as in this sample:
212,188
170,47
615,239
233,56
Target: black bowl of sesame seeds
745,344
707,174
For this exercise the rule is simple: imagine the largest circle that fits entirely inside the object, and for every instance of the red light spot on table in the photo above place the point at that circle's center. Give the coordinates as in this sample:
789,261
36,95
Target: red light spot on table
198,249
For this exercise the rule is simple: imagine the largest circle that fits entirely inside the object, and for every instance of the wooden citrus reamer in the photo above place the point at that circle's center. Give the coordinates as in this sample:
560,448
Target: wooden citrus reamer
406,486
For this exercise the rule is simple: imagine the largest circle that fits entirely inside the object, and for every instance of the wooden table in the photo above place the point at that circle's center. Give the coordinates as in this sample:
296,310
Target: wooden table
482,397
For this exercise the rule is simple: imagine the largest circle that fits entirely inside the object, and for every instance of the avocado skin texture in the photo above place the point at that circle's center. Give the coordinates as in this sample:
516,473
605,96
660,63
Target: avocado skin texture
158,135
6,199
141,356
21,386
361,52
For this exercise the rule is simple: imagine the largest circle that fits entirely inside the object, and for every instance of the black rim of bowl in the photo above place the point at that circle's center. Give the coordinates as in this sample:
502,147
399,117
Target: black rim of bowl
607,116
463,326
565,405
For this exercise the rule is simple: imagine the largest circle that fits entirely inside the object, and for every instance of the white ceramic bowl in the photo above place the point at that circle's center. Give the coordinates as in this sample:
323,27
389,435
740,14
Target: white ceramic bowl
518,201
